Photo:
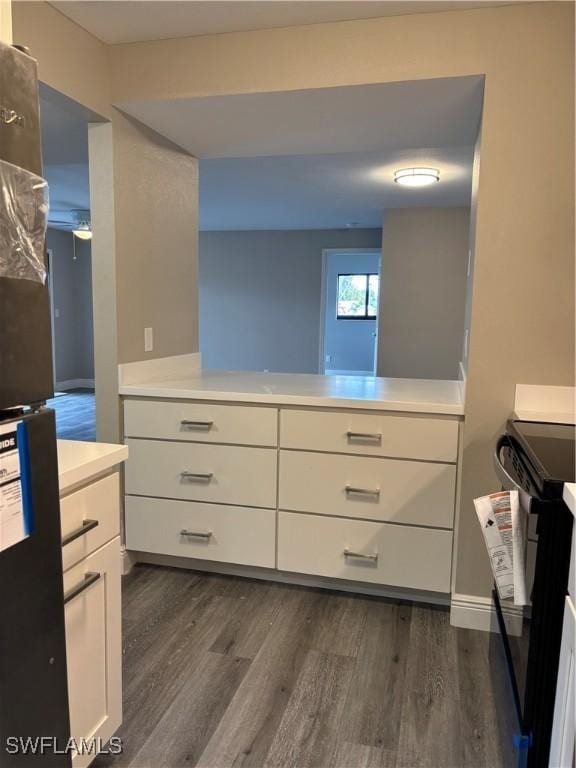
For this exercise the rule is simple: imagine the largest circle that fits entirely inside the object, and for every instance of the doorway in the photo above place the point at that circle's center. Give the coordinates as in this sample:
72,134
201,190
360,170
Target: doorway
349,311
64,128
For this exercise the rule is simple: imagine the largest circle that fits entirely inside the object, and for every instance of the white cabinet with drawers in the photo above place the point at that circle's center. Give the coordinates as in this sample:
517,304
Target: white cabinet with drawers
91,558
365,497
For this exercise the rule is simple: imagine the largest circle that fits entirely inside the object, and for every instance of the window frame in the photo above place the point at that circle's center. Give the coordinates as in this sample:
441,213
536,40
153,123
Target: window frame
365,316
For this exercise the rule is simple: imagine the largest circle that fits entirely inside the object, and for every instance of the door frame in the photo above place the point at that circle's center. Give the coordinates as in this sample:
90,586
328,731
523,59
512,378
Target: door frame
50,270
326,253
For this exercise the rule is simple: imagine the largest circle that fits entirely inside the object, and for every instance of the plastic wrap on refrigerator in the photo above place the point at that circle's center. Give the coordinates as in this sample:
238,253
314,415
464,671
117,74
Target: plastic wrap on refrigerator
24,212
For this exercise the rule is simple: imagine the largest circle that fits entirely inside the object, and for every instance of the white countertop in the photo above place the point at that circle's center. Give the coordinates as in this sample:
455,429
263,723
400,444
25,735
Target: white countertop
569,496
79,461
364,392
534,402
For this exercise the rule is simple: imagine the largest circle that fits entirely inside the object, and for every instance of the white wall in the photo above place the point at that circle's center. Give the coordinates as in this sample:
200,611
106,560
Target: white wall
423,292
350,344
72,296
260,296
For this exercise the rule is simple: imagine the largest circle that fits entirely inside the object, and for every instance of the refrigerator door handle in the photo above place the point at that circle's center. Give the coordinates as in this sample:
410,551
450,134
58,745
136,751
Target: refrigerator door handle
89,579
87,525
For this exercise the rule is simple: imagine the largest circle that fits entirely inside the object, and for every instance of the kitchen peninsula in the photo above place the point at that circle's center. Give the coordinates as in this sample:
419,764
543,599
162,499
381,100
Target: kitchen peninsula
341,481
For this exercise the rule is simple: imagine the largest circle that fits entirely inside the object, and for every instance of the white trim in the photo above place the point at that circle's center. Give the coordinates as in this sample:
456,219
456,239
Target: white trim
337,372
62,386
462,378
473,612
127,561
159,369
285,577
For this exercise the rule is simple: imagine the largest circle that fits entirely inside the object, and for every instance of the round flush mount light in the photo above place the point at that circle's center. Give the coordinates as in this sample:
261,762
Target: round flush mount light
417,177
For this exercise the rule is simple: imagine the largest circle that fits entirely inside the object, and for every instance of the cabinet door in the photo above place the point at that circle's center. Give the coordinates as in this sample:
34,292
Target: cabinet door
564,731
93,647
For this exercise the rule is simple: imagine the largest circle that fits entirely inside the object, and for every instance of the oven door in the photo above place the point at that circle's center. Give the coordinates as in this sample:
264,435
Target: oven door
510,640
508,655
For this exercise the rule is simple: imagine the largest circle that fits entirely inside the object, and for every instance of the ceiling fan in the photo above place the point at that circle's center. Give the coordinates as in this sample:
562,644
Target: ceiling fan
78,222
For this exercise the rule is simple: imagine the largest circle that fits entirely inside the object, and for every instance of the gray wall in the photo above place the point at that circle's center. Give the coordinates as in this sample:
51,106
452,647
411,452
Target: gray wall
156,202
423,292
349,344
72,297
260,296
144,202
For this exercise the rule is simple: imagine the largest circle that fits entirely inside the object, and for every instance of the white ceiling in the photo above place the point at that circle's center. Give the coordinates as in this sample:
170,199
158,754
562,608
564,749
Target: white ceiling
120,21
297,160
307,159
325,191
422,113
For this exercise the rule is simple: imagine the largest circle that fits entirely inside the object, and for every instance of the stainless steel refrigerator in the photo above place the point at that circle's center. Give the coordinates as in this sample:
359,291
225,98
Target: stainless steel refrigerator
34,719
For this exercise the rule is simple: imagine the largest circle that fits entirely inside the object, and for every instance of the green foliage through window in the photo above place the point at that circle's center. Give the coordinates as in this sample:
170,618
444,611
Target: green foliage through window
358,297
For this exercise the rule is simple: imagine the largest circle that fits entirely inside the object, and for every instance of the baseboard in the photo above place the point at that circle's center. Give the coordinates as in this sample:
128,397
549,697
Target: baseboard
472,612
286,577
345,372
62,386
128,561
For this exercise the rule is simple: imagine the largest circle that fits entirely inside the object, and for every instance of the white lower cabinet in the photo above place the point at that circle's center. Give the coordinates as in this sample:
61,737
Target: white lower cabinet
562,748
355,550
220,533
413,492
348,495
94,648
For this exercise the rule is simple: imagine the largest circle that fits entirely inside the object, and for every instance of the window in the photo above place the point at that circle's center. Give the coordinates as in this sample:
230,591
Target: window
357,297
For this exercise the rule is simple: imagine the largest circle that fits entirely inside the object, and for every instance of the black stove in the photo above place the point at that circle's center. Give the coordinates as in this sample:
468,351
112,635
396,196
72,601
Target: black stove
548,450
536,459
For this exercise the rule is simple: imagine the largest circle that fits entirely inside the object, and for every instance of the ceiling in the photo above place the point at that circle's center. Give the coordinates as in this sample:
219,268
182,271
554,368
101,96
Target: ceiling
389,116
318,159
65,156
323,158
119,21
325,191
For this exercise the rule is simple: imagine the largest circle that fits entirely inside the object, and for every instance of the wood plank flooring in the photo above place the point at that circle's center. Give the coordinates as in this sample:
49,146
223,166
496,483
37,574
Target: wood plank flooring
75,414
221,672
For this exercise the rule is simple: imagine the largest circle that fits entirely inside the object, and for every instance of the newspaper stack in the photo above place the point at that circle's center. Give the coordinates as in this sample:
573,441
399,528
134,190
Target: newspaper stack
503,524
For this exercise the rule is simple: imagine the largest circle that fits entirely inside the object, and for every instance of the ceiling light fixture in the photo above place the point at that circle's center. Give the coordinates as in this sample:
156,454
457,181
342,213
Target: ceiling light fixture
83,231
417,177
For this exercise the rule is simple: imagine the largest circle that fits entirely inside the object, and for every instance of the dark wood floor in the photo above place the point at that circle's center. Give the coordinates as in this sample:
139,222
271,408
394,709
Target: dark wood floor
221,672
75,415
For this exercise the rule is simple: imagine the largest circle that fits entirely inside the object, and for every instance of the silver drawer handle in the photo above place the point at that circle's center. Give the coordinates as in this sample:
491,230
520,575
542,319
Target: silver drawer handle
375,437
196,534
351,491
187,424
350,553
87,525
200,477
89,579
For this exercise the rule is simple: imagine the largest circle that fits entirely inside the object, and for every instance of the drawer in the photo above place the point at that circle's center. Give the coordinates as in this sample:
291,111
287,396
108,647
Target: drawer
224,534
89,518
378,434
391,490
201,422
401,556
218,473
